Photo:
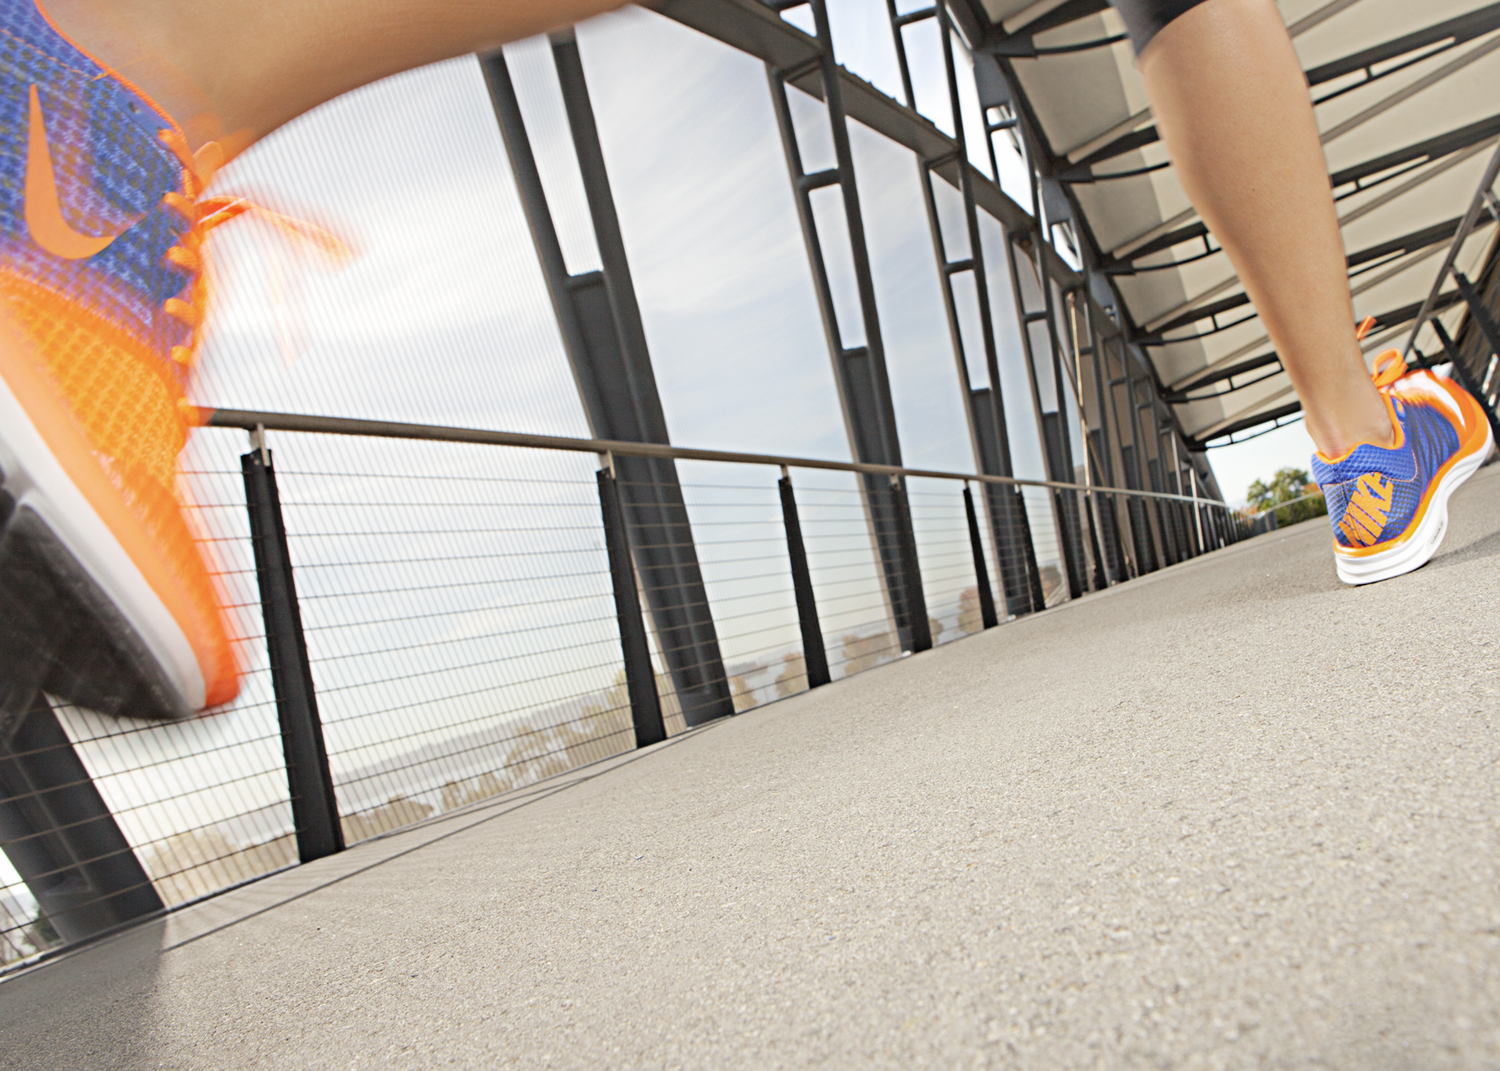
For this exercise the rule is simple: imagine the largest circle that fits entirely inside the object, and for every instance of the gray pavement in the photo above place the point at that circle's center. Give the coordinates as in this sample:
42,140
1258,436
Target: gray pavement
1233,815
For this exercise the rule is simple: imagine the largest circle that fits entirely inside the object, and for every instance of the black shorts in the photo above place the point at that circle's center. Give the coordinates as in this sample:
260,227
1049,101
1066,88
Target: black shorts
1143,18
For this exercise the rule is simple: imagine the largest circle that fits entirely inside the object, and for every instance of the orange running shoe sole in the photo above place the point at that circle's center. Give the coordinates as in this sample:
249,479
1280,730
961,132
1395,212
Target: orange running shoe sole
97,607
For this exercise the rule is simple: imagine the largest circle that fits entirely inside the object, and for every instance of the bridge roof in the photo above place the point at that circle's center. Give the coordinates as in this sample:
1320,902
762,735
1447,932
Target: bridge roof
1405,99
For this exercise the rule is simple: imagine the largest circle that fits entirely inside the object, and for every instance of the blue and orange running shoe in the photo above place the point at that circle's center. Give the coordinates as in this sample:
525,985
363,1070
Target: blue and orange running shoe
105,598
1389,506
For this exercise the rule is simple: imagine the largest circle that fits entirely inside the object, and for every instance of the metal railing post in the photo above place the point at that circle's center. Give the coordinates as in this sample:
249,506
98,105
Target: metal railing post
640,681
981,572
911,572
814,655
60,836
315,810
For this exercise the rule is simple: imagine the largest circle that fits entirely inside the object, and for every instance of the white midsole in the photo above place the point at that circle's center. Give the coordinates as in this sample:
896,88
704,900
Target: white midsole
36,480
1418,549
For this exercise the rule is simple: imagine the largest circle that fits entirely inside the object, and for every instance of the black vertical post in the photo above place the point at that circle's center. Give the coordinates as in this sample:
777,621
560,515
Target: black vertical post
981,571
813,653
60,836
911,572
640,681
315,810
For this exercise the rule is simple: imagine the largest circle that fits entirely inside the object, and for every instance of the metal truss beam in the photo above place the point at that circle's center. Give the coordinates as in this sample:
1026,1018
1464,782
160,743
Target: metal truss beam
1394,318
1416,240
1448,33
1125,265
1437,37
754,28
601,328
1420,152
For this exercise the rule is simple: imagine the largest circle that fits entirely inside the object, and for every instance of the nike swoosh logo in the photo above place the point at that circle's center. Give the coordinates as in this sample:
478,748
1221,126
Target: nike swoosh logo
44,218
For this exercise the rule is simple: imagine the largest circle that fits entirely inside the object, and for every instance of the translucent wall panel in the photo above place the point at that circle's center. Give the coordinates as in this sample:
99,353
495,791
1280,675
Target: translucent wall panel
741,543
925,386
533,74
945,558
1010,161
853,608
711,229
929,78
441,314
1020,411
862,42
971,113
459,616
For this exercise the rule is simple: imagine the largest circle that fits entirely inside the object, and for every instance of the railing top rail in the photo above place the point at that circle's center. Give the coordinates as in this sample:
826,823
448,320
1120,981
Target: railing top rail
251,420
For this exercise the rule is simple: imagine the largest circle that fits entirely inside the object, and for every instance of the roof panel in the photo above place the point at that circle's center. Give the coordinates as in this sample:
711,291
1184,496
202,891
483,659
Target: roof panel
1082,101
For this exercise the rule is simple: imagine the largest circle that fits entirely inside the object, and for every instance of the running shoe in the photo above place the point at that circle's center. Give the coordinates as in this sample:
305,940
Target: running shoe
1389,506
105,598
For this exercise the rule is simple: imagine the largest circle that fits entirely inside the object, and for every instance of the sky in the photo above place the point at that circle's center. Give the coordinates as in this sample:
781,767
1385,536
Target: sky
442,584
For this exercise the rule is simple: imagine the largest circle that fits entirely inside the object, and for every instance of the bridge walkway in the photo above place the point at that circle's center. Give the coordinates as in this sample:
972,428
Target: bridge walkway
1230,815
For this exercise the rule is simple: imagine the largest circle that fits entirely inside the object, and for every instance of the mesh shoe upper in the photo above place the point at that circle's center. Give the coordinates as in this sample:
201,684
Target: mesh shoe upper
100,275
112,170
1373,493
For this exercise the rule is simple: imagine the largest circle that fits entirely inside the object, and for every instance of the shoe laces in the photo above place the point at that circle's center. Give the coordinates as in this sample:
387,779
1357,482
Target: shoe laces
203,213
1389,366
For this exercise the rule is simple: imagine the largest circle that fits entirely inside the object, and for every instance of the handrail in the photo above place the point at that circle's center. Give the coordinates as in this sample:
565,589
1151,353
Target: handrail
255,420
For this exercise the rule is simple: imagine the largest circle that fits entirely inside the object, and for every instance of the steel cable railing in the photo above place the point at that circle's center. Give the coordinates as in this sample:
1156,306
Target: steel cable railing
431,617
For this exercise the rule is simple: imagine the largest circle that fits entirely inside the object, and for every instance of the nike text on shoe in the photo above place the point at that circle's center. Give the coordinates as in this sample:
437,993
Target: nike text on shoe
1389,506
105,598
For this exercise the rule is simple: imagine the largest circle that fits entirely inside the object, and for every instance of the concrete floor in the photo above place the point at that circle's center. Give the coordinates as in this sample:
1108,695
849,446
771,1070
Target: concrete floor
1234,815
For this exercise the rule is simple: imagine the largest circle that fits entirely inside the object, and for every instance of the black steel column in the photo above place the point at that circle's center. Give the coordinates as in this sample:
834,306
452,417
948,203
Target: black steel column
981,571
814,655
1057,448
1065,502
640,679
61,837
911,572
315,810
600,323
1104,504
985,409
1020,577
1168,535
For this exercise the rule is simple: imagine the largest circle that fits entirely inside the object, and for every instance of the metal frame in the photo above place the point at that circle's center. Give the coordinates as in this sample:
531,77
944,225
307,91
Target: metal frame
984,406
860,375
602,332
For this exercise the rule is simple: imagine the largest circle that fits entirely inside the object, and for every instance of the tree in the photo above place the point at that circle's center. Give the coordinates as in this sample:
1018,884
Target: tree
1286,485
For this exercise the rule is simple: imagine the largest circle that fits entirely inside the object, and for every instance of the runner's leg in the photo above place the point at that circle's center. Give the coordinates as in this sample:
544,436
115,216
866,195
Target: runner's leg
1232,105
258,65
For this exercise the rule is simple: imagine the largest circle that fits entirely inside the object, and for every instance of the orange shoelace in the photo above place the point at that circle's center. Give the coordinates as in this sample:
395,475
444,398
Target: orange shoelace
1389,366
203,214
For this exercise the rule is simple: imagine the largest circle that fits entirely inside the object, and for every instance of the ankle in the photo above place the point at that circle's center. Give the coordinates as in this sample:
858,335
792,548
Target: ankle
1335,438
